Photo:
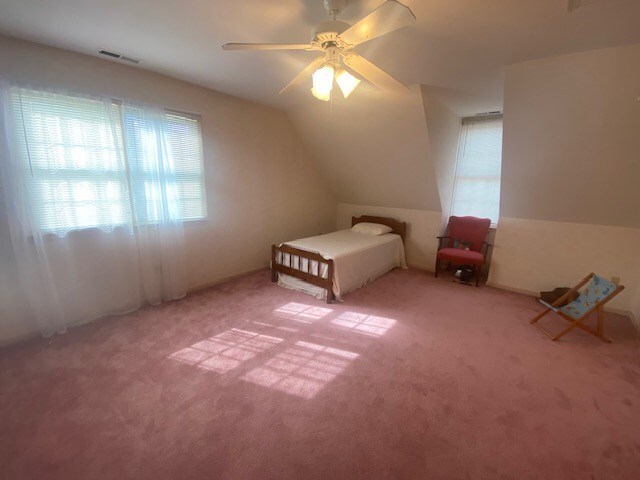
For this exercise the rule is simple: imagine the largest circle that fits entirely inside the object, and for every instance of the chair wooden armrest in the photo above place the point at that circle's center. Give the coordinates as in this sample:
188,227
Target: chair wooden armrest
572,290
440,238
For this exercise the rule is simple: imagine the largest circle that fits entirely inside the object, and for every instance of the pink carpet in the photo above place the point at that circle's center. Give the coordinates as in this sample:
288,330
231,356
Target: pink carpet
412,377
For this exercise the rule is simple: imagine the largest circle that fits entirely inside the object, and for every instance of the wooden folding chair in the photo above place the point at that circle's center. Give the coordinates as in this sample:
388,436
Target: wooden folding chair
592,298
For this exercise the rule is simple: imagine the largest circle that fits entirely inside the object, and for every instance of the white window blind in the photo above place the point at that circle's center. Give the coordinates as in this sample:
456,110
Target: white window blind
74,159
185,138
476,189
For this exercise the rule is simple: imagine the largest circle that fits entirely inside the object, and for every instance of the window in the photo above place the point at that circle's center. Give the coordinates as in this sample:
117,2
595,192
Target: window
182,133
476,188
80,172
186,146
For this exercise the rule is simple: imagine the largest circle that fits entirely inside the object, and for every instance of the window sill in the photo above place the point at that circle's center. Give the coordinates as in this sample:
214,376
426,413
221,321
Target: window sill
86,231
196,222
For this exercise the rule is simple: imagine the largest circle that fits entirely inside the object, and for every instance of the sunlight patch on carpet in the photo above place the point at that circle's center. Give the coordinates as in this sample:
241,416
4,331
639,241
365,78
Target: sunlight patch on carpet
226,350
302,370
363,323
279,327
301,312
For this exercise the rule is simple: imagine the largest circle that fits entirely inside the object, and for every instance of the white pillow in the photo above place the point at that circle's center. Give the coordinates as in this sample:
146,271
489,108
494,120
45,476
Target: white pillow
371,228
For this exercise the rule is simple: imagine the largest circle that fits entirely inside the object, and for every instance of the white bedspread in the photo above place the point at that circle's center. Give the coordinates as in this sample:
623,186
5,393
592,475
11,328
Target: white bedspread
358,258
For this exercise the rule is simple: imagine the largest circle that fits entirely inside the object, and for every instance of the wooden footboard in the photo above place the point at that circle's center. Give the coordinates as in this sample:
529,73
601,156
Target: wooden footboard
294,268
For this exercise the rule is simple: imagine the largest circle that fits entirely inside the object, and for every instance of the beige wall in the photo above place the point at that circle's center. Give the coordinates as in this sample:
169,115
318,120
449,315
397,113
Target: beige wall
443,129
571,148
536,255
373,148
423,226
261,185
571,166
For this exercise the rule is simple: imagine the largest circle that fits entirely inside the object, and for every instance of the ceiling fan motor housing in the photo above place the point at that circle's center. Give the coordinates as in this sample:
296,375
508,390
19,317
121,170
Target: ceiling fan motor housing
328,32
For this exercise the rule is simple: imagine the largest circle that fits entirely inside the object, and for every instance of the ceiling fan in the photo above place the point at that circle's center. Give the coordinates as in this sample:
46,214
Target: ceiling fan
336,40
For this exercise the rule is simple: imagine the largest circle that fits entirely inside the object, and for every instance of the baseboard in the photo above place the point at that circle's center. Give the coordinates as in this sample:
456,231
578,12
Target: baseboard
421,268
512,289
8,342
635,320
220,281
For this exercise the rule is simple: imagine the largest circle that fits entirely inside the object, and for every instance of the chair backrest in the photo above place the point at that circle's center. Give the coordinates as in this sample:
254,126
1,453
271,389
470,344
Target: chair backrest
470,229
597,291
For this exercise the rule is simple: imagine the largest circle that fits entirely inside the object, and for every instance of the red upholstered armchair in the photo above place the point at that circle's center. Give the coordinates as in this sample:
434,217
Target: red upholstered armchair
466,243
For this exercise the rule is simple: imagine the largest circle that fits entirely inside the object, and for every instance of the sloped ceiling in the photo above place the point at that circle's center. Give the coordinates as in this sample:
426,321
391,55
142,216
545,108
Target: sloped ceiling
457,45
443,129
373,149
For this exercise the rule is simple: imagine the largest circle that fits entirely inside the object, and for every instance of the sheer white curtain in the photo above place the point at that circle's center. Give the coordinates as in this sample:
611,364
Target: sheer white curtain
90,200
155,203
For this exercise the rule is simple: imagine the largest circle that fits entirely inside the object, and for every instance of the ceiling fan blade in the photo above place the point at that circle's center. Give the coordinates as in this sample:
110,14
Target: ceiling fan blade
388,17
267,46
375,75
304,74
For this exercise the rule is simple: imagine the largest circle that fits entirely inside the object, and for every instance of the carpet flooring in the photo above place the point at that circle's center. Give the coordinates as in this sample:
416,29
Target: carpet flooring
411,377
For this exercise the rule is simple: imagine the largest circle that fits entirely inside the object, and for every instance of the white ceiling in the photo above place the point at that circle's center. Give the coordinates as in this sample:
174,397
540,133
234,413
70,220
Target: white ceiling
457,45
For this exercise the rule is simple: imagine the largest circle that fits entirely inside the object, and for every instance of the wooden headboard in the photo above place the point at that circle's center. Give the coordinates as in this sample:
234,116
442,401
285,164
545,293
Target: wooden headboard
398,227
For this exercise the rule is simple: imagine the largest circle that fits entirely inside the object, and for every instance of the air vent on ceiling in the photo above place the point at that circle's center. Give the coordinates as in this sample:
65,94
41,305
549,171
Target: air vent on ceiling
119,56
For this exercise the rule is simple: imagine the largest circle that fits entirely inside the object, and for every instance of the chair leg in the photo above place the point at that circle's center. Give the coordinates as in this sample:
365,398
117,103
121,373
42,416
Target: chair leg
566,330
578,323
477,275
600,327
598,332
538,317
437,267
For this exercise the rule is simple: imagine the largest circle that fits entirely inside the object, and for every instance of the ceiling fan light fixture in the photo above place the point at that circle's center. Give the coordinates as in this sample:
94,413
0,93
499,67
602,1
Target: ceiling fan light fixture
324,96
347,82
323,82
336,39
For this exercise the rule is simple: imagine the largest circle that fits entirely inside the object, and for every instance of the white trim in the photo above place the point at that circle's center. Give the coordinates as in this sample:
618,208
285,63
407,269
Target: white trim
215,283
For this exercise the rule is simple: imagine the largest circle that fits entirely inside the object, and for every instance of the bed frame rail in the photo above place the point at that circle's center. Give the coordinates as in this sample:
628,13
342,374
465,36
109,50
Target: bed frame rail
295,268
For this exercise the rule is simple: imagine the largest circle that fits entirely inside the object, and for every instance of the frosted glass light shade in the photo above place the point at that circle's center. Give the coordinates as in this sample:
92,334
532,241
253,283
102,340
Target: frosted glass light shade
326,96
347,82
323,82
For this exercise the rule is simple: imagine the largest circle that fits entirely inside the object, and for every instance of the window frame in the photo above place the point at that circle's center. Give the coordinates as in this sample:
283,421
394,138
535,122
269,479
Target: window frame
198,119
118,103
479,118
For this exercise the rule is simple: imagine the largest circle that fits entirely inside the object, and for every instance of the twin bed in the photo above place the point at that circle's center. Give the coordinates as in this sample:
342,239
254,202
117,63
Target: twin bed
332,265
